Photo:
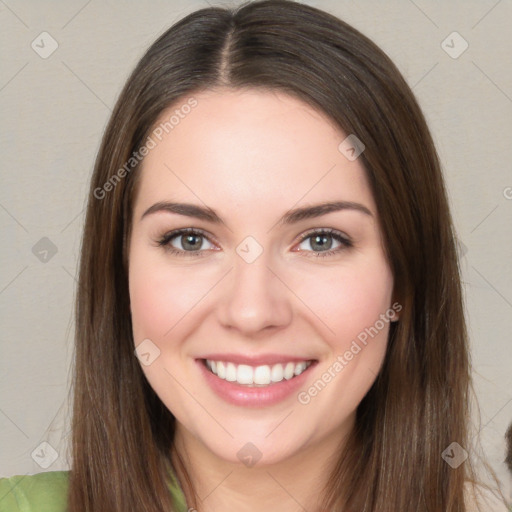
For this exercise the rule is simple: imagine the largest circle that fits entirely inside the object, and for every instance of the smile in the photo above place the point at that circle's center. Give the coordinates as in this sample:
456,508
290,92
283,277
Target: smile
256,376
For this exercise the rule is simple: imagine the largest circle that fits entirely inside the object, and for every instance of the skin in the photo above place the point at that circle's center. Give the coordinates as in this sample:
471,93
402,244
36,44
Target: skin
252,155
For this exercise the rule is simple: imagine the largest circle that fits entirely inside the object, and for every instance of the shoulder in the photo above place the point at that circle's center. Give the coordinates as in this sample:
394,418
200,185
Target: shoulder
481,499
31,493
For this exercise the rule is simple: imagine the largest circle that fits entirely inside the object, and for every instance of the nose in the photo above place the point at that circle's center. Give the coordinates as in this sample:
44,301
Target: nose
254,298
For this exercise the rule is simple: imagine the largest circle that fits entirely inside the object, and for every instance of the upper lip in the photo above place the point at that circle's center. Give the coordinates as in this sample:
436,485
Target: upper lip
256,360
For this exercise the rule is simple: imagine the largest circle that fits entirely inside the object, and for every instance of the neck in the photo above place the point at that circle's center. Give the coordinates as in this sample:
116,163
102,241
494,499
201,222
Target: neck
292,485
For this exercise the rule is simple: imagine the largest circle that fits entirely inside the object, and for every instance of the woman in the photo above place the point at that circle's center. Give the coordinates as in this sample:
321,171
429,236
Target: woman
268,231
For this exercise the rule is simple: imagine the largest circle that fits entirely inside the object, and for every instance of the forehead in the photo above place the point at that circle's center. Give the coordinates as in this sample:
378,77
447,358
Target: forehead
249,149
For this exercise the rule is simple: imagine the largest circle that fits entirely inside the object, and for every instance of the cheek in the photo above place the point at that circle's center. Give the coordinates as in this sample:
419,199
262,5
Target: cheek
348,299
150,308
350,302
160,296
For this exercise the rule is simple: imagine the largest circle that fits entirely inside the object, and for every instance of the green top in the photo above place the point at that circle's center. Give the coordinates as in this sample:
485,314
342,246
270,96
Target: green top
48,492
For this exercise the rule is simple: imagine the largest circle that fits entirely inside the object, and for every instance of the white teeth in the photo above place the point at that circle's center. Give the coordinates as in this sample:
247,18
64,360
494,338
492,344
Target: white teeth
221,370
277,374
289,371
298,368
263,375
244,374
230,372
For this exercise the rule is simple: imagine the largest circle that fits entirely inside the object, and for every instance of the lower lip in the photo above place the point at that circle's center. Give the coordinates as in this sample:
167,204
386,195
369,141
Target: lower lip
237,394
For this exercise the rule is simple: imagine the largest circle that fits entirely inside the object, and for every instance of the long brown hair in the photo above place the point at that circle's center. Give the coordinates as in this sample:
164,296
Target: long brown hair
122,434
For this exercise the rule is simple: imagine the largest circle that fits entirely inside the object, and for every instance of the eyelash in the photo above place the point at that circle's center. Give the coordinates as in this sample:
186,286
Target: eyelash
166,239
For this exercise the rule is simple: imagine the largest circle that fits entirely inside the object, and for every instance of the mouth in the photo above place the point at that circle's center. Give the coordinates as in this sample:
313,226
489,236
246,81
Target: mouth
250,382
256,376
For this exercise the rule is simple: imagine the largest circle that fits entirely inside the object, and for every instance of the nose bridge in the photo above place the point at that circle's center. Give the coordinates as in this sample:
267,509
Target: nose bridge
253,299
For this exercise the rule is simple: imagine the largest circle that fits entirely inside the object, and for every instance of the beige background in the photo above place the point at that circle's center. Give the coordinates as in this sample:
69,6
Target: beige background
54,111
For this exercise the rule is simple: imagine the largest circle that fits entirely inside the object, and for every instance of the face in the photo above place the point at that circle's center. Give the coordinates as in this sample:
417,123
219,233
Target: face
263,320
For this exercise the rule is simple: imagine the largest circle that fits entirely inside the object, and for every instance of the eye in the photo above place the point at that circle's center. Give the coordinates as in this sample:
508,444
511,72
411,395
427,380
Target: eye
320,241
185,242
190,242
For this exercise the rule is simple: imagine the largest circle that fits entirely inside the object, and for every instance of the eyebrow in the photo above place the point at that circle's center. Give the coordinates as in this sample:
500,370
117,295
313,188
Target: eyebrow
290,217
